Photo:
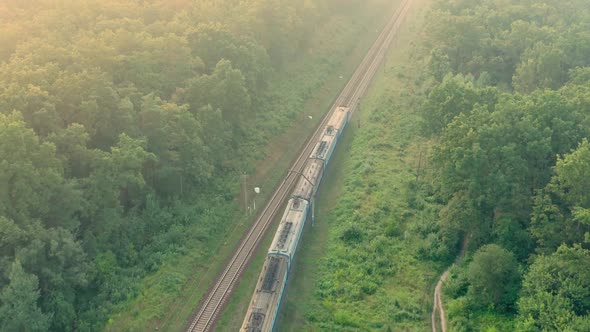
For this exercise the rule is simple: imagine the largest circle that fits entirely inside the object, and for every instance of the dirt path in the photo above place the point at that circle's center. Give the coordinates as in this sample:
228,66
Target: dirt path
438,308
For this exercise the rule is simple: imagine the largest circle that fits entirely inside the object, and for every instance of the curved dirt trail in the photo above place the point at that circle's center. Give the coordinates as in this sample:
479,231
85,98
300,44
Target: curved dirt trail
438,308
438,305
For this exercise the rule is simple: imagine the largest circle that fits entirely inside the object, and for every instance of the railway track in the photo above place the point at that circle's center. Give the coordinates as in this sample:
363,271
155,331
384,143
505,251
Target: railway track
217,296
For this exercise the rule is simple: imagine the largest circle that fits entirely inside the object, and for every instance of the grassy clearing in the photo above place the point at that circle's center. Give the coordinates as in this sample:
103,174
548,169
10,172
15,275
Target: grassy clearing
360,268
169,296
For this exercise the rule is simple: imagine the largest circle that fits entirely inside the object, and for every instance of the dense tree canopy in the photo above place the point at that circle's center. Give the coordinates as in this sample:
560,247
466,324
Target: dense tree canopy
561,212
507,102
493,277
19,311
556,292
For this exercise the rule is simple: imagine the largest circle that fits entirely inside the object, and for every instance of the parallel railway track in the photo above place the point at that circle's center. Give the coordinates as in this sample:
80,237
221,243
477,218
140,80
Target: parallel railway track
218,295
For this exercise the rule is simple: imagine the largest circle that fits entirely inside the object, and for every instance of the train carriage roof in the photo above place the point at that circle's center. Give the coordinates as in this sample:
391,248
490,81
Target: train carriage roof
311,176
266,298
286,237
338,118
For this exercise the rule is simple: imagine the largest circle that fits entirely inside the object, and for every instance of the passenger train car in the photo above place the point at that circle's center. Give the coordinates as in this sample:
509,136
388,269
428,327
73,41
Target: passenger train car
266,300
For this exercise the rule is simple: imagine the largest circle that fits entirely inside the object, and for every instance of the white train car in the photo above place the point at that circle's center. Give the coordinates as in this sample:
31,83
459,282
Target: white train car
309,179
267,297
316,164
270,288
288,235
332,134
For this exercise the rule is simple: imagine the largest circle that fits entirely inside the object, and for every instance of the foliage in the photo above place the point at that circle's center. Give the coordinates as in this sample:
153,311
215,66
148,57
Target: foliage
455,95
560,213
19,310
508,101
556,292
493,277
526,44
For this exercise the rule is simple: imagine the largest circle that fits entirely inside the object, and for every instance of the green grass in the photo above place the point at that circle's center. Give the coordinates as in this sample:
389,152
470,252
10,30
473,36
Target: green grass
154,303
166,309
372,192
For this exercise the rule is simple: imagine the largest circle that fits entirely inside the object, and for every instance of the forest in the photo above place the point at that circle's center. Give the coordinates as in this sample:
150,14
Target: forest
122,125
477,139
511,109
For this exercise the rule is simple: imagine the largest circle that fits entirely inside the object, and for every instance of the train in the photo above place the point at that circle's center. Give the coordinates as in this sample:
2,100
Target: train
267,297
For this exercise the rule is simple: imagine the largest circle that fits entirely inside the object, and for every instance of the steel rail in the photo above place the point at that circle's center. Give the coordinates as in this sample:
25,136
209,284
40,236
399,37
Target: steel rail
369,74
216,297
